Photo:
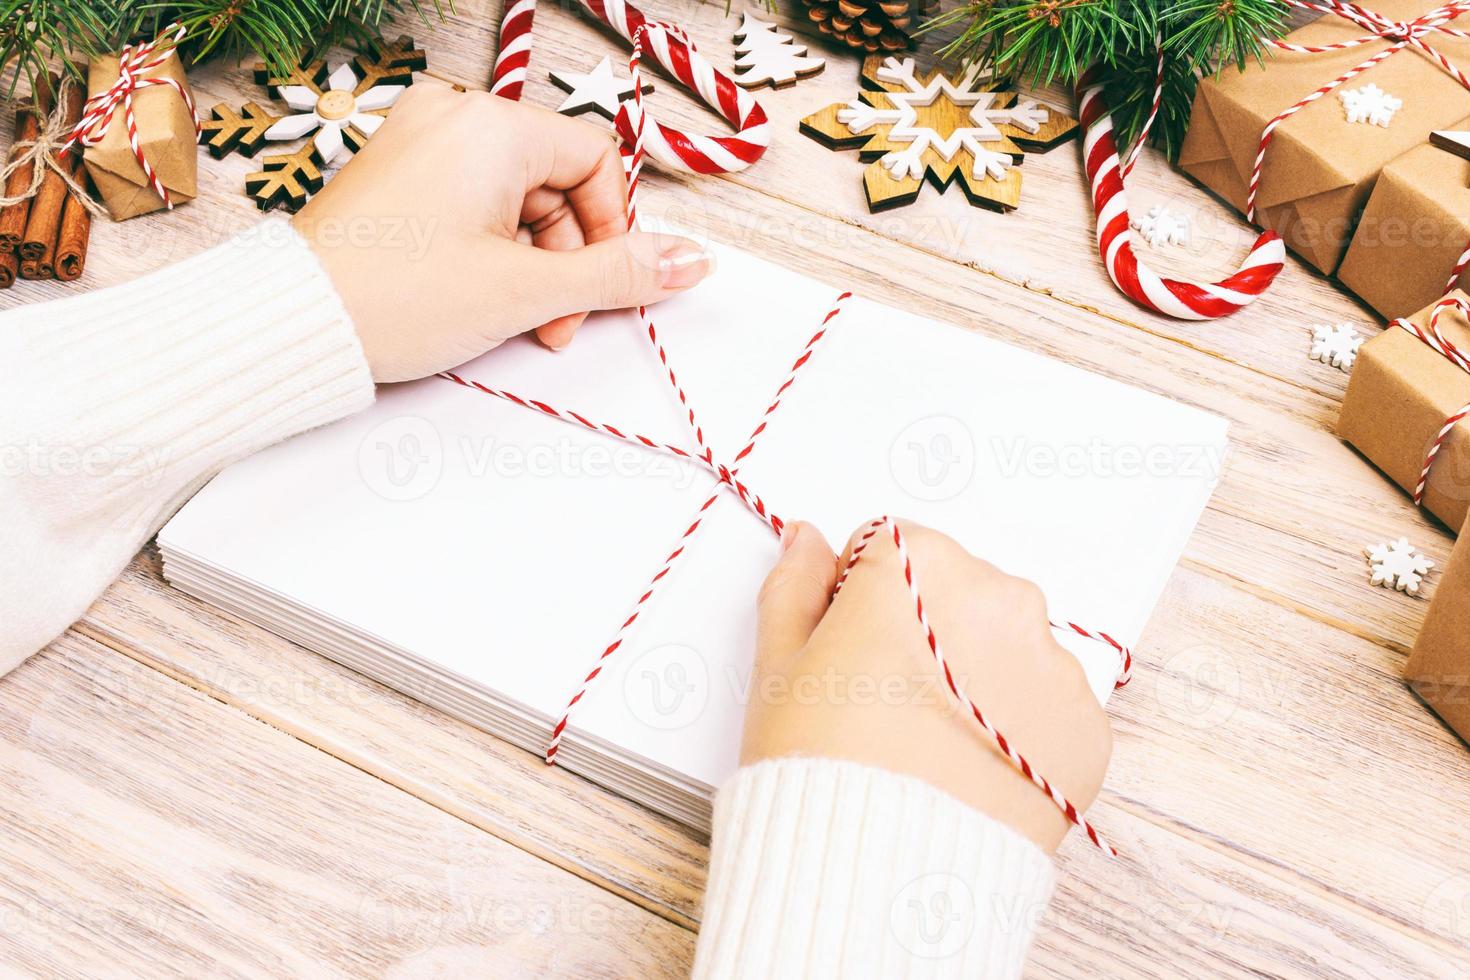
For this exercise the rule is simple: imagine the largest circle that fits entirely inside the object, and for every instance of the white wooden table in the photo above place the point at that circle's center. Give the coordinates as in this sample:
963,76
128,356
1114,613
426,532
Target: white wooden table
185,794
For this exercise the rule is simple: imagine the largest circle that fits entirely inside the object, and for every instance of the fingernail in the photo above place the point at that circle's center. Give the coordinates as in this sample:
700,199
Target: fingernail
788,537
684,265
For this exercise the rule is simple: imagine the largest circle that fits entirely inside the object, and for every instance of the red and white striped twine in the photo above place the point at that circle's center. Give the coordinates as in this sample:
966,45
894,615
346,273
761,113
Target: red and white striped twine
676,53
135,61
1406,34
1440,344
1171,297
1458,270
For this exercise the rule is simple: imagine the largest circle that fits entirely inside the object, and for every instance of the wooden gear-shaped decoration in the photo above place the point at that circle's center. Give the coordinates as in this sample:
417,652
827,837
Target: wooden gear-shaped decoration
908,128
338,109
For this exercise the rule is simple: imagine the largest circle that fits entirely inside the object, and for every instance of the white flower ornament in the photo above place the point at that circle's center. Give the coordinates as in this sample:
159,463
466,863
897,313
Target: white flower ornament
332,111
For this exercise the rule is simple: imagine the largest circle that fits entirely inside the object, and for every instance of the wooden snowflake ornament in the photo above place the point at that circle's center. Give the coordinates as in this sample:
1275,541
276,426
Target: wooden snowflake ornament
600,90
1397,565
338,110
910,129
765,56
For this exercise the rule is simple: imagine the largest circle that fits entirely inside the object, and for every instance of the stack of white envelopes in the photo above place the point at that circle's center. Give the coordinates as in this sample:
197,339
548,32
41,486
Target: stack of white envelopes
480,556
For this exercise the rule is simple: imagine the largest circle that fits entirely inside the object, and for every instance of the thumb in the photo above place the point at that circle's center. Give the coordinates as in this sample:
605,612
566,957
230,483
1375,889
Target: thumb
796,593
630,270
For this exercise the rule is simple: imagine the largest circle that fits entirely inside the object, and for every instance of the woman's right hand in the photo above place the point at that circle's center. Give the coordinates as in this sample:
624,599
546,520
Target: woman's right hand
853,678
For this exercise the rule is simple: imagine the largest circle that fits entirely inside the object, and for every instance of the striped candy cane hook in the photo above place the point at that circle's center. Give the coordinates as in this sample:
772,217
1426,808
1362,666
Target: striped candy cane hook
1171,297
677,55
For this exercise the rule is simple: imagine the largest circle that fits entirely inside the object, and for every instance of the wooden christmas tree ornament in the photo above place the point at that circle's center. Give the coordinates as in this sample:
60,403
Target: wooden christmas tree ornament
765,56
338,109
909,128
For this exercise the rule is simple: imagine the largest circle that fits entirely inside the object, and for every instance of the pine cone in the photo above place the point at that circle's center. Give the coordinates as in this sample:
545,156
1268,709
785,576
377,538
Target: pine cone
869,25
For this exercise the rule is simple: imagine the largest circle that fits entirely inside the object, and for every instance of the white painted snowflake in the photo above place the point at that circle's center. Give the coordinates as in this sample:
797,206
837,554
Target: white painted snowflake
1397,566
1369,104
984,117
332,110
1336,345
1161,226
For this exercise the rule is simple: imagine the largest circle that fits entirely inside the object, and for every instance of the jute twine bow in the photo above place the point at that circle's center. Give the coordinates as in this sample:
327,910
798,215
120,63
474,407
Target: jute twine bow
49,151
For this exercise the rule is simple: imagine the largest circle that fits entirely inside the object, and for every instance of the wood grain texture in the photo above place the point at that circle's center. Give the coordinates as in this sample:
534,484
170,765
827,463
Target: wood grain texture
1285,806
152,831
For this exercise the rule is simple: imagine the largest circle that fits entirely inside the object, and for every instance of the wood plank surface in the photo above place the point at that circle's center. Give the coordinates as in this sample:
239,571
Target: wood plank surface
152,831
1285,806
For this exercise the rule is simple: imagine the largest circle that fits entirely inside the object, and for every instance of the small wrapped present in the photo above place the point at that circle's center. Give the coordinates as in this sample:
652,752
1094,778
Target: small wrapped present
1322,161
162,170
1413,233
1410,386
1439,666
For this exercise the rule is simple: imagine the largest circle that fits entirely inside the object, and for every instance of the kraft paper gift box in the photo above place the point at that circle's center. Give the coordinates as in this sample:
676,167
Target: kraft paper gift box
1439,666
166,135
1398,398
1413,231
1320,169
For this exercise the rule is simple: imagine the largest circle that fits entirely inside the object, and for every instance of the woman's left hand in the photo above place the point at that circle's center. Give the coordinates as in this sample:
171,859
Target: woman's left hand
469,219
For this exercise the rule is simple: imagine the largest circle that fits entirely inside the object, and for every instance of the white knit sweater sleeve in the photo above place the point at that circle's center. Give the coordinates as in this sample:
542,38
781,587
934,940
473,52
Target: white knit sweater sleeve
118,404
825,868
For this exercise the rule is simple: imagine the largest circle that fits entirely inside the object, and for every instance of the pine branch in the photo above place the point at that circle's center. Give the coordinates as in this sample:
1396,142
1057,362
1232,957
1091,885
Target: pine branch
1055,41
34,33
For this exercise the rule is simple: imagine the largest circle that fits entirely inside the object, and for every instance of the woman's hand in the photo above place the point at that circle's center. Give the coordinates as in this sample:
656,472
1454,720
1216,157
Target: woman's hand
853,678
469,219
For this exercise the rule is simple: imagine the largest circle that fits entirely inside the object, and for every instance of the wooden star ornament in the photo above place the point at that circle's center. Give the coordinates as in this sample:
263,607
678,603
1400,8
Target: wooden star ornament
600,90
910,128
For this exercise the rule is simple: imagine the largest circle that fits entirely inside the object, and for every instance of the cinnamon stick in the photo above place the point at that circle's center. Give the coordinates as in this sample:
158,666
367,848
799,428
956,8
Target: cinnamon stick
27,126
9,266
31,269
76,230
39,242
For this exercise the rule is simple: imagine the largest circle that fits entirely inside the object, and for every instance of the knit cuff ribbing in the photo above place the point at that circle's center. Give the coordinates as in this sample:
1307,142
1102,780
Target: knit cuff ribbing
828,868
166,379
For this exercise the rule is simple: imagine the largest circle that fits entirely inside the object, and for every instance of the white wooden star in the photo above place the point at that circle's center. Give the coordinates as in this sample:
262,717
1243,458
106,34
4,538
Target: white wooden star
599,90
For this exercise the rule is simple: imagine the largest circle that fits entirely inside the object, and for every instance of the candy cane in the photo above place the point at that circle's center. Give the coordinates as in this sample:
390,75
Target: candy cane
1171,297
673,50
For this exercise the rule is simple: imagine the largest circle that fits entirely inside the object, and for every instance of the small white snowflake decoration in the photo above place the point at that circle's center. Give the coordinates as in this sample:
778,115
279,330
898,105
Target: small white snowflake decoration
1336,345
1397,566
1369,104
1161,226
